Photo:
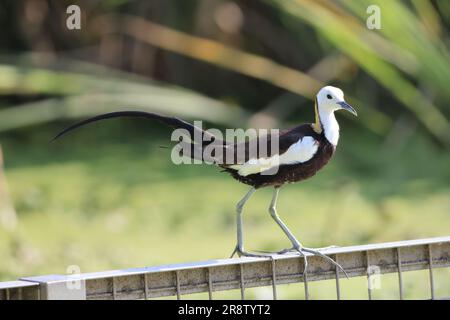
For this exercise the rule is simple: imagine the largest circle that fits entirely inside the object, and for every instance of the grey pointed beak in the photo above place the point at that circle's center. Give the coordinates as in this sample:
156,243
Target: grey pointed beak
344,105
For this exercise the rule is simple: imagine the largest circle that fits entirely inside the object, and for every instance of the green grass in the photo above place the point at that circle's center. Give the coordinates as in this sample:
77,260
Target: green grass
122,203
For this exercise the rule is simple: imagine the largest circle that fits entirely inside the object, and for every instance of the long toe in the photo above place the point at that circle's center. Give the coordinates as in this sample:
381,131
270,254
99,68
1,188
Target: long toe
258,254
284,251
235,251
288,250
325,248
320,254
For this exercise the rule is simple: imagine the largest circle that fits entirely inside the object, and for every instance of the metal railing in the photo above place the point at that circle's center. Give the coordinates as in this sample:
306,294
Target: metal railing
240,273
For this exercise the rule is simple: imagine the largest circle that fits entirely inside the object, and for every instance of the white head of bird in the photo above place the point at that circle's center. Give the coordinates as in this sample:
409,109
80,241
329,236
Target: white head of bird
328,100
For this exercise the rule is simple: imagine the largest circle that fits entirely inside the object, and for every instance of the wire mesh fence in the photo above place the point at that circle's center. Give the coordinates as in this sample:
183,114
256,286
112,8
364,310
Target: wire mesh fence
242,274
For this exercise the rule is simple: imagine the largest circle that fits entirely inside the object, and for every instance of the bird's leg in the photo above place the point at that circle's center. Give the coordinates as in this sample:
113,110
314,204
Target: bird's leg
239,249
273,213
295,243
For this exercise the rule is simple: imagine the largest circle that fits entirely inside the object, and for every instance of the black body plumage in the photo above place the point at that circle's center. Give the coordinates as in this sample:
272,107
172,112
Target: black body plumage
293,172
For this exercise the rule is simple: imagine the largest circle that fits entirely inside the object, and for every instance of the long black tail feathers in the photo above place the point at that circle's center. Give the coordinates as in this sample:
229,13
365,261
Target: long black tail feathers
170,121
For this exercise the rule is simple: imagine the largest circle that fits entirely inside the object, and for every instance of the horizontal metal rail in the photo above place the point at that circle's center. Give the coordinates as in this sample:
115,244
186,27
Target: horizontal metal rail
240,273
19,290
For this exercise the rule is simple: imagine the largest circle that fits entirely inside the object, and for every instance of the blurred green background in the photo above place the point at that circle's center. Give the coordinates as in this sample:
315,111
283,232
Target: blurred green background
108,197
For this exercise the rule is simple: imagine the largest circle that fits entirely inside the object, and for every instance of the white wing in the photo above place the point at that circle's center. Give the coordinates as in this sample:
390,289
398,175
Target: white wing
301,151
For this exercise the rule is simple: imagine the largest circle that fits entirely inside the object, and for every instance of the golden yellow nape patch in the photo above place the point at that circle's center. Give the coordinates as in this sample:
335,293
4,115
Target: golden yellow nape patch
317,126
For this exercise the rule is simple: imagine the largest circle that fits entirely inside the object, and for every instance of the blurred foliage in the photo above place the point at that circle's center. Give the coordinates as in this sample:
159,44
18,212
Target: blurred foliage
108,196
400,69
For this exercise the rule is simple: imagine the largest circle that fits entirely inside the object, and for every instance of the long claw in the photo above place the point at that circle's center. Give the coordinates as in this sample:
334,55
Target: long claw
318,253
234,252
299,250
287,250
256,255
277,252
293,249
325,248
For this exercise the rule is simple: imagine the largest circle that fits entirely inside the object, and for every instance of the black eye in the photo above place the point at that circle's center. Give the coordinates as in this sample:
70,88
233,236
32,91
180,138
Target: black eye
329,96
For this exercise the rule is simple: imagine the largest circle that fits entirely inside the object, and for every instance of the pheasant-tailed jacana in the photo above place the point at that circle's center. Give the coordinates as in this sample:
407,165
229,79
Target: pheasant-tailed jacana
301,152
